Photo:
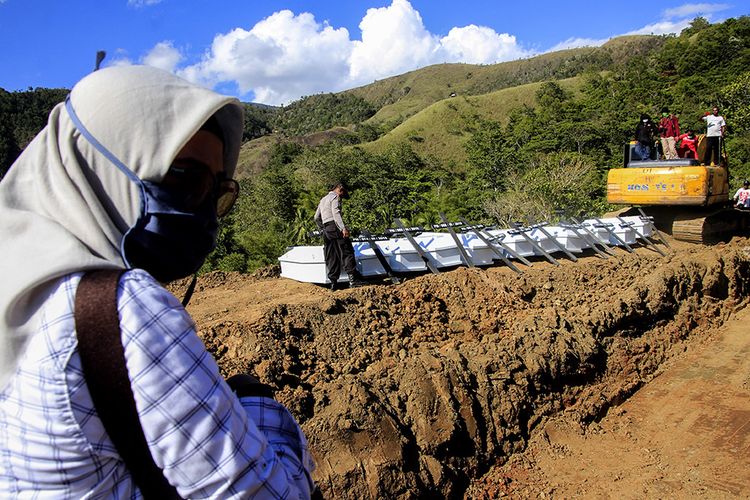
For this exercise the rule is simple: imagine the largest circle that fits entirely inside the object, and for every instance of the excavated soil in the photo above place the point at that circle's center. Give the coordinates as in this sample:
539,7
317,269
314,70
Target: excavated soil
475,382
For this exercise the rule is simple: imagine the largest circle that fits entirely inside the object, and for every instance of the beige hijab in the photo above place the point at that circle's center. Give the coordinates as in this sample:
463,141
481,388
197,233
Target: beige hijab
65,204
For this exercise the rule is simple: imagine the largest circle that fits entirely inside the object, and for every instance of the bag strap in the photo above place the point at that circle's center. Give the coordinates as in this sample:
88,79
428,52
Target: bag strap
103,360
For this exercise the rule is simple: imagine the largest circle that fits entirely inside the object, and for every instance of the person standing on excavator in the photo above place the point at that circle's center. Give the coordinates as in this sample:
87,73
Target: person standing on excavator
715,126
644,135
337,247
669,130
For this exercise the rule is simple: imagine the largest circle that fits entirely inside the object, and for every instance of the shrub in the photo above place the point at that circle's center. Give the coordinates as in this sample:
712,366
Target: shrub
549,183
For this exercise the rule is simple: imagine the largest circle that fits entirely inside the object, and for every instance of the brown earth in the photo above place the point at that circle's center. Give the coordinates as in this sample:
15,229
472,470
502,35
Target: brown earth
686,434
484,383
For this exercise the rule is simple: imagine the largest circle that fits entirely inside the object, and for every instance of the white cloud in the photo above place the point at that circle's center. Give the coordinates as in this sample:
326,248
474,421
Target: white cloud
674,20
164,56
121,61
286,56
574,43
280,59
480,45
119,58
142,3
394,40
661,28
694,9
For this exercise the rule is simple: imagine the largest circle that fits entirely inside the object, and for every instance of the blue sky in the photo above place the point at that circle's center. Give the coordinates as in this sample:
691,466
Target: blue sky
275,51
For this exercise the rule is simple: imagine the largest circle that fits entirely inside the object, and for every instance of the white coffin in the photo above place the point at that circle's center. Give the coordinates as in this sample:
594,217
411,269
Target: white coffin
571,241
306,263
625,233
515,242
640,225
368,264
479,252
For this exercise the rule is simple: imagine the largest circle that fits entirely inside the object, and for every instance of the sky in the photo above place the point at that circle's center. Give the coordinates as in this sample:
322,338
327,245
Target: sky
276,51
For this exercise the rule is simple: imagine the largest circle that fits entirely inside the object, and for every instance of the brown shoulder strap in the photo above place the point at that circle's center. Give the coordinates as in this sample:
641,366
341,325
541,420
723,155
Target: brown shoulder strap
103,360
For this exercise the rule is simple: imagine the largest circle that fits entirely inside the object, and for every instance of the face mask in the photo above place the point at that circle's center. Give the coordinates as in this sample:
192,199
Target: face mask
168,241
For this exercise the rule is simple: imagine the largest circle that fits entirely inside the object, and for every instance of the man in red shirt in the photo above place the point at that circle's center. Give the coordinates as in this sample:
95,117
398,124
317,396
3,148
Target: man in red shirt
669,130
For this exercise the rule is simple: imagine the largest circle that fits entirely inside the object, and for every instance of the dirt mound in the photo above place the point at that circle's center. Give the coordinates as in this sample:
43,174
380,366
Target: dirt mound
417,389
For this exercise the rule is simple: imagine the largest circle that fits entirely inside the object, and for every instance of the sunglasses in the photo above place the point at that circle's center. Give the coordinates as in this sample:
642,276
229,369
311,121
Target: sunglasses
196,184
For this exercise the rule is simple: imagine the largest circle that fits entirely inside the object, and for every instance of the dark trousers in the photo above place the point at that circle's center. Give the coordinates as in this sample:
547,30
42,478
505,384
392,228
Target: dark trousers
337,250
712,150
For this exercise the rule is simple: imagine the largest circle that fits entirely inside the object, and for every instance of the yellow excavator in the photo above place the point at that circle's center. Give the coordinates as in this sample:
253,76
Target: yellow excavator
686,198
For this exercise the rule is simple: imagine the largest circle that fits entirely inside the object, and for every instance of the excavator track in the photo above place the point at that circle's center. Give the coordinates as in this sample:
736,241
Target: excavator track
699,225
717,226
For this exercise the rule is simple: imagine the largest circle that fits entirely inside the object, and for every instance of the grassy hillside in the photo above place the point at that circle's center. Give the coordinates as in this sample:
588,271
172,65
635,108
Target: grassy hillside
442,129
518,140
254,154
400,97
418,106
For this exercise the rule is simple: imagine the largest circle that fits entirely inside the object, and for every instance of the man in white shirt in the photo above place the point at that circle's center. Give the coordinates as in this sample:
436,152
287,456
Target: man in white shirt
715,126
337,247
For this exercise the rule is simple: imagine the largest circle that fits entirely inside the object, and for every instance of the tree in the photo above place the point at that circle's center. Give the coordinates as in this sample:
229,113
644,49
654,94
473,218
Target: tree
734,99
489,153
696,25
550,182
22,116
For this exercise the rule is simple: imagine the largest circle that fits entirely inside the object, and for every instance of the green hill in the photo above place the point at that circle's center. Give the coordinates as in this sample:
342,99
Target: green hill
442,129
400,97
417,106
255,154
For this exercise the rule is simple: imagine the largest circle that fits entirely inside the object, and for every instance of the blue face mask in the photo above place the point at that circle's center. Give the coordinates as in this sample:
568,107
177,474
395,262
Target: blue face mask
168,241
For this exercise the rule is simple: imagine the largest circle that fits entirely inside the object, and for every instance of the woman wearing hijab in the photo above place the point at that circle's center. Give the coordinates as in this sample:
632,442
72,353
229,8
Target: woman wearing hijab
130,173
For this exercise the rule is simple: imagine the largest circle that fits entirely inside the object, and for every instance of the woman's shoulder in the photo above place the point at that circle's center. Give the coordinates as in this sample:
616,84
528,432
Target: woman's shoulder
140,279
140,295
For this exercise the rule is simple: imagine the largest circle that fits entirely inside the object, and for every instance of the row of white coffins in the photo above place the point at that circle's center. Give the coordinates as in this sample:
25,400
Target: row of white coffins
484,247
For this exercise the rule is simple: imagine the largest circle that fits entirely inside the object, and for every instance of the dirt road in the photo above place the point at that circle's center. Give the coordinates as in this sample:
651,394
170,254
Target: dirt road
686,434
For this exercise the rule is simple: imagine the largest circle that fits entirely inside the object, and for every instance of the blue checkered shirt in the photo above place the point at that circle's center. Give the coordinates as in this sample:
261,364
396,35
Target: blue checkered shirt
209,443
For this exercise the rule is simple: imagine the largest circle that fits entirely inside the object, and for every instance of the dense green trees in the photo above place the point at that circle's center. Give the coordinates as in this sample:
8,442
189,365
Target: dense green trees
22,116
258,121
321,112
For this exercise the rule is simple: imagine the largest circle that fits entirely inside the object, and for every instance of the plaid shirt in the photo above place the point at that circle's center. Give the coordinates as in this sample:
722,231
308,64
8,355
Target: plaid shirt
208,442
